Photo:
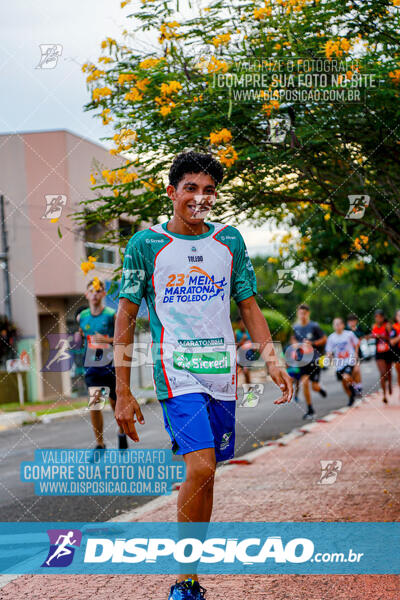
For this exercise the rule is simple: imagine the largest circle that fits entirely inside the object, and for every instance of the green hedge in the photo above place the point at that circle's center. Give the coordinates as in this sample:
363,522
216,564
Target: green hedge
280,327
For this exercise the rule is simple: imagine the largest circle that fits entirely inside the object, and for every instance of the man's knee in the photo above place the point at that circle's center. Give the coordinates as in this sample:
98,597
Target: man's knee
202,471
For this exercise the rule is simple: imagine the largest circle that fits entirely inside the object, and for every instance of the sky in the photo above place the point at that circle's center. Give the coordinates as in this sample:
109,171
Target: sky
35,99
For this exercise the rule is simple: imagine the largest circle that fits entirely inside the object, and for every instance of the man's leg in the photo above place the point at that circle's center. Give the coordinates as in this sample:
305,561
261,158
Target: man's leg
397,367
195,499
96,416
196,493
306,389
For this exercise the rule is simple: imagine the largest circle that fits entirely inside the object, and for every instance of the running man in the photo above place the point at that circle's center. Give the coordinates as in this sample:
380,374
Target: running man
312,340
194,351
292,356
383,355
353,325
342,346
242,337
96,325
395,344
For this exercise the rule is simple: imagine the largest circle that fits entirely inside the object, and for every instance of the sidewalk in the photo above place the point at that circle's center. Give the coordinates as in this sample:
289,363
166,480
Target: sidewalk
279,485
27,414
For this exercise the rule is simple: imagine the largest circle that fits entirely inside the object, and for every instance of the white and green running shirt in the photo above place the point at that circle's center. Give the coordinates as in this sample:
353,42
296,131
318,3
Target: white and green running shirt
187,282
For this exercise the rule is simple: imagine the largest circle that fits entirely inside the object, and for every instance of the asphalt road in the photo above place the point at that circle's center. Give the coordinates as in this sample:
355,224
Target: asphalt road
254,425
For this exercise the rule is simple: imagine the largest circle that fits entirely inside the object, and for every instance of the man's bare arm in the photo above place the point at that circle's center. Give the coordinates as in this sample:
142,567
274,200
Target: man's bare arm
127,407
260,335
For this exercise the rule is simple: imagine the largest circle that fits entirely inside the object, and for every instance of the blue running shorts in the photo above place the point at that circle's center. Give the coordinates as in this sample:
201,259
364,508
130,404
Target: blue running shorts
195,421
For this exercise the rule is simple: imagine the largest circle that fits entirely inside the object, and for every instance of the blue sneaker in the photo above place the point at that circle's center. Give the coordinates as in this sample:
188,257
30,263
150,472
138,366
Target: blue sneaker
187,590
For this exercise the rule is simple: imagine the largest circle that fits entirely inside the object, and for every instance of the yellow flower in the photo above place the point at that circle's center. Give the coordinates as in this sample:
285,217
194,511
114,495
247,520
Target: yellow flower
92,179
165,110
124,3
133,95
96,283
221,40
99,93
269,107
148,63
141,84
261,13
116,193
170,88
228,156
106,59
150,184
323,273
129,177
124,77
272,259
95,74
337,47
395,75
88,265
125,138
167,31
108,42
105,116
214,65
396,2
221,137
327,216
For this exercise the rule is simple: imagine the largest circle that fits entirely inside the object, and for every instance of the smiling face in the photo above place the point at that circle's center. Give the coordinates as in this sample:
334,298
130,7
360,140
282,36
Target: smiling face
193,197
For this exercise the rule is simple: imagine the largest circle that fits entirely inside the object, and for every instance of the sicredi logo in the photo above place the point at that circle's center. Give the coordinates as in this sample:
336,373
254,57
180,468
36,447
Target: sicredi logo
188,550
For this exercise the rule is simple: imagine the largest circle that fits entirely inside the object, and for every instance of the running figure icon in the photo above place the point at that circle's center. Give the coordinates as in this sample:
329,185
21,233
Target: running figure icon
62,549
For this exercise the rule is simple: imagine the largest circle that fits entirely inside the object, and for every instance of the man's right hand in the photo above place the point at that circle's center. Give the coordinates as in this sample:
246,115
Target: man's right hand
127,409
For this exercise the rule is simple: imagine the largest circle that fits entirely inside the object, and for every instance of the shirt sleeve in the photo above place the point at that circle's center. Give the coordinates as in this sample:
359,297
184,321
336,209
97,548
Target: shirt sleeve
134,273
244,284
318,332
354,340
329,345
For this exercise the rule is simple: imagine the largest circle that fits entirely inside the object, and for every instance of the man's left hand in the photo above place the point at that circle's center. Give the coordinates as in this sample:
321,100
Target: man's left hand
284,382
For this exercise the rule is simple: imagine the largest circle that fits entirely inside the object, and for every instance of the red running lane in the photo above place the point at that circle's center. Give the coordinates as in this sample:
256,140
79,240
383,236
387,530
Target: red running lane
280,485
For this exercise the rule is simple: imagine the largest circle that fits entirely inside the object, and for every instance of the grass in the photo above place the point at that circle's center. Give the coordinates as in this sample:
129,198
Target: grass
62,408
13,406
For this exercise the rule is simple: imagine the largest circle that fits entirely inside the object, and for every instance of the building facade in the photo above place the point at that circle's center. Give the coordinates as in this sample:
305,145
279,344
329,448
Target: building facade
44,176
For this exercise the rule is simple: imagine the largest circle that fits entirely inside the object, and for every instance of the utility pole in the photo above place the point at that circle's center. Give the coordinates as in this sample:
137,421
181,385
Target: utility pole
4,259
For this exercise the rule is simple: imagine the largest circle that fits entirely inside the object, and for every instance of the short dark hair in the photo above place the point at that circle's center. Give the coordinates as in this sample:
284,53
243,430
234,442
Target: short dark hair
303,306
195,162
100,283
352,317
380,312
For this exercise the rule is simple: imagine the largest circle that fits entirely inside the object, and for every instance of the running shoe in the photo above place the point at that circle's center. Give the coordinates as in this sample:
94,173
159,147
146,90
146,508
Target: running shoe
309,414
187,590
122,441
98,447
323,392
384,400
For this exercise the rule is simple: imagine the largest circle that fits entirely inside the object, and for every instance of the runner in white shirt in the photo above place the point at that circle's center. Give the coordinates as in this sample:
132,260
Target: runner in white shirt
342,346
187,270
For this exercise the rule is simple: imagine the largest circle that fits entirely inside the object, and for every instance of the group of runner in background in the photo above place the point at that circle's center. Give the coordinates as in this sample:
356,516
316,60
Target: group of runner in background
309,347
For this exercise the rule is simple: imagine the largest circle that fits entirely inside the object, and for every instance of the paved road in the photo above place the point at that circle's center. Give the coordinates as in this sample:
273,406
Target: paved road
254,425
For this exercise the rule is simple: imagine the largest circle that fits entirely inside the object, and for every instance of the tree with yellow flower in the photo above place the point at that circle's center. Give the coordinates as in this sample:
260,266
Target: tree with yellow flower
299,99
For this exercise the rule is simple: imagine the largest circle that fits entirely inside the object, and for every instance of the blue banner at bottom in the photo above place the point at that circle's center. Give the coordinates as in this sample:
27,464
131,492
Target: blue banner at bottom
215,548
